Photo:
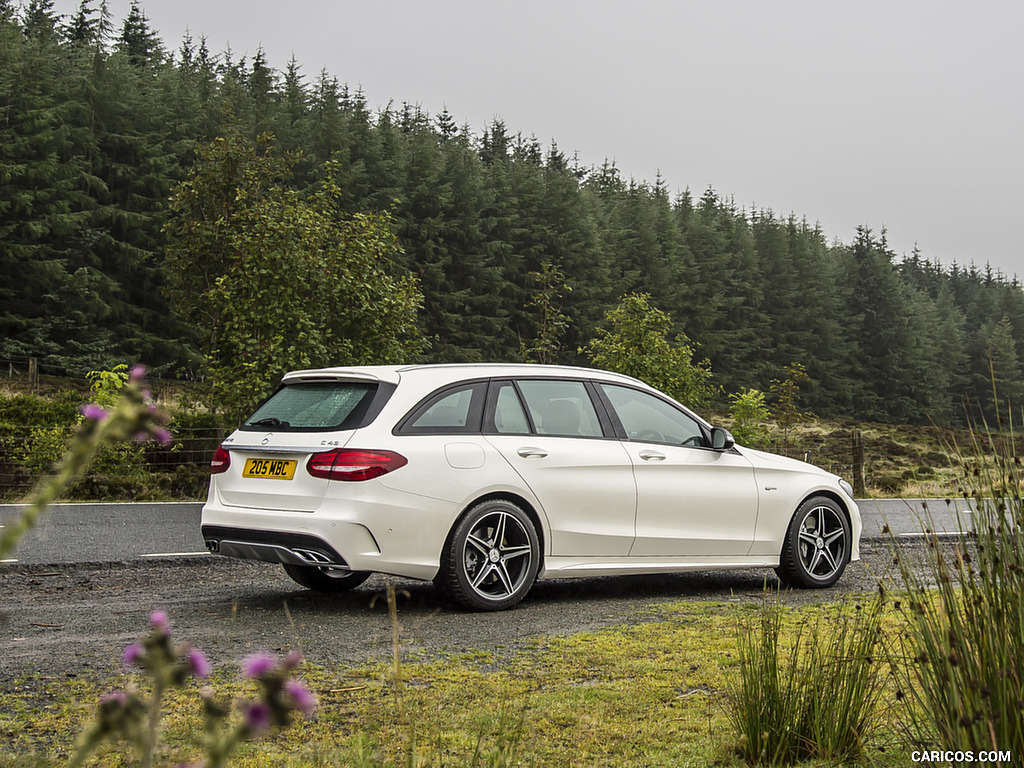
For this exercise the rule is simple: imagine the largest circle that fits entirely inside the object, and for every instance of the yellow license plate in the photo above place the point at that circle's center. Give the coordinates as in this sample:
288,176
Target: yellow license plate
271,469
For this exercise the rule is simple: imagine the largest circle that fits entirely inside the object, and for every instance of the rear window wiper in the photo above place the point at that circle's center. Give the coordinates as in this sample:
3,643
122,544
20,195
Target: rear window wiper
270,421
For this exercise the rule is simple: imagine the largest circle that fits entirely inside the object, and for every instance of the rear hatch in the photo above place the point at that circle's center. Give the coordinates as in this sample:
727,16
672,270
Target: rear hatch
269,456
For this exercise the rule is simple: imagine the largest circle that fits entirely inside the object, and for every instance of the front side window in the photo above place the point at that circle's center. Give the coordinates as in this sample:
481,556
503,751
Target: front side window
650,419
314,406
562,408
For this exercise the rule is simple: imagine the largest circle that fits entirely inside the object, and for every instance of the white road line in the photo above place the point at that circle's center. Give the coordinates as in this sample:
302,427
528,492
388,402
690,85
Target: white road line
939,534
175,554
7,562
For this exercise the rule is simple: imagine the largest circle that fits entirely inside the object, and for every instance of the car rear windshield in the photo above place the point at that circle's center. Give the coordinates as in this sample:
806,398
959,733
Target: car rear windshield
314,406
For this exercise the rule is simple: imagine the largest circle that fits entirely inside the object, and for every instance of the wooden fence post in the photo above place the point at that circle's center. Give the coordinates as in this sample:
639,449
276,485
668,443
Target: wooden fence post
859,477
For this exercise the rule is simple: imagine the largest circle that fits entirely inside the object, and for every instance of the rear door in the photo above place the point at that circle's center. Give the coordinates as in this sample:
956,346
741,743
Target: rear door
550,432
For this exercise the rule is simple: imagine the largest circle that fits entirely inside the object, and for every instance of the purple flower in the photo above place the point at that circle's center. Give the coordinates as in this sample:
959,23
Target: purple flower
160,622
137,373
133,654
197,663
258,665
94,412
257,718
162,436
114,698
302,699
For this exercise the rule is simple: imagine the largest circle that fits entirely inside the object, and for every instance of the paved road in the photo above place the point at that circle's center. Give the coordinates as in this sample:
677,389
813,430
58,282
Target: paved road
77,533
59,616
98,533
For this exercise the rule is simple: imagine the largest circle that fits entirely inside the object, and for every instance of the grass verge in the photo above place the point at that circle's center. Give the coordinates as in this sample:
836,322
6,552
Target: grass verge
655,693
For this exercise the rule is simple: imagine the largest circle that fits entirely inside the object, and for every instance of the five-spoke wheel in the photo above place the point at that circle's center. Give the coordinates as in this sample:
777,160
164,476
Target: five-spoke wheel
492,557
817,545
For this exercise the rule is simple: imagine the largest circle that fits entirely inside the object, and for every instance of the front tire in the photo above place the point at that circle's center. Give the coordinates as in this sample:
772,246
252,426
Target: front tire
325,579
491,560
817,545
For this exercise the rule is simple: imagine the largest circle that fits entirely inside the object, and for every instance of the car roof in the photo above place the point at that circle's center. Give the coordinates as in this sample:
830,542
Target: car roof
453,372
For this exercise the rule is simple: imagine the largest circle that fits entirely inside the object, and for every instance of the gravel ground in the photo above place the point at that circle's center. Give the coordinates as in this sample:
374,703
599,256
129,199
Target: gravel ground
68,621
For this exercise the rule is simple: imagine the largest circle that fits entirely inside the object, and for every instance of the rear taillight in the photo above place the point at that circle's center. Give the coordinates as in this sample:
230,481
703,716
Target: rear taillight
220,462
354,465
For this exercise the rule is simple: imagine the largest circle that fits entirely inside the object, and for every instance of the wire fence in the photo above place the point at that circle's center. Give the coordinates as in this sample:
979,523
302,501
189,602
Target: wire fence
141,472
31,368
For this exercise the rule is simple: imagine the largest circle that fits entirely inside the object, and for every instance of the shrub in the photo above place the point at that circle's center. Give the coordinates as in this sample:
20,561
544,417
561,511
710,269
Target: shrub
964,662
750,418
813,699
637,345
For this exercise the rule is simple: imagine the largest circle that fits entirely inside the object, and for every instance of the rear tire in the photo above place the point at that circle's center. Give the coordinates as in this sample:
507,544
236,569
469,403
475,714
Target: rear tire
491,559
817,545
325,579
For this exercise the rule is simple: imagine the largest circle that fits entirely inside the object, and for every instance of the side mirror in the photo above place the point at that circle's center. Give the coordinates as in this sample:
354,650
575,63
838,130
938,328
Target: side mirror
722,439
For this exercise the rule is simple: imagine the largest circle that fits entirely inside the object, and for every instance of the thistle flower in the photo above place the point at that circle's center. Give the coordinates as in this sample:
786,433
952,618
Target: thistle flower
94,412
160,621
301,698
257,718
257,666
133,654
197,663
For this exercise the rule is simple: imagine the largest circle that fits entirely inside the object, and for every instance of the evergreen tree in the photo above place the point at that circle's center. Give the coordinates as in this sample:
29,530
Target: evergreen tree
40,22
1006,376
138,41
42,202
880,320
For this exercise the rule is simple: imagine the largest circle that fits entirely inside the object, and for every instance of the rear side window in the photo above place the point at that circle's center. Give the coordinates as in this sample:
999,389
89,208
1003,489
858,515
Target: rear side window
509,416
314,406
560,408
452,411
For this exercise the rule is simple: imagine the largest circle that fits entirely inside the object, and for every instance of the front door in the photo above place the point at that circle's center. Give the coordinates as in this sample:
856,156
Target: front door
692,501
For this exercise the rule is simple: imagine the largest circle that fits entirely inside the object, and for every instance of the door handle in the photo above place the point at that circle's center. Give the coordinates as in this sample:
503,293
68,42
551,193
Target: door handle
652,456
532,453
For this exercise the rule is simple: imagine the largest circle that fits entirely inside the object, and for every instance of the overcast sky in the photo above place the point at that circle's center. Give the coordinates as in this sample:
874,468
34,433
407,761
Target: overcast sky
902,114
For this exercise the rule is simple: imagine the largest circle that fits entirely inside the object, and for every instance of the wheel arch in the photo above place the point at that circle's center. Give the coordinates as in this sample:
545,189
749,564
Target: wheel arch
831,495
513,498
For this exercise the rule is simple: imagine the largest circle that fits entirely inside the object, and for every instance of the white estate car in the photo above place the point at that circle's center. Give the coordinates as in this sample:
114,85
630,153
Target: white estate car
487,477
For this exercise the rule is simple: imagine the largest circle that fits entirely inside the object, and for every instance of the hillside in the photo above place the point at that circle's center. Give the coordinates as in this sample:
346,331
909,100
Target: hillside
102,125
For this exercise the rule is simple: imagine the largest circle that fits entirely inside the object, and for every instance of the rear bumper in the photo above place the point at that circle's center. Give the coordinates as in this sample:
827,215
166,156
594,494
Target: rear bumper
319,539
272,546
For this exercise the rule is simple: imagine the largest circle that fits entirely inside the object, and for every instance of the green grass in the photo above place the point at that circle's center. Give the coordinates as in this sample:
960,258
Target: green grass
656,693
813,691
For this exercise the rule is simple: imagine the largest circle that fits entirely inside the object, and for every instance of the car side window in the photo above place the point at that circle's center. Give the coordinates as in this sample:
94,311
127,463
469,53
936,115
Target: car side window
650,419
509,416
562,408
455,411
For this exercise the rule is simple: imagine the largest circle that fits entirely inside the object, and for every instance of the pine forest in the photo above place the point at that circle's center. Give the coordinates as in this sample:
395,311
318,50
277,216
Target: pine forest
101,122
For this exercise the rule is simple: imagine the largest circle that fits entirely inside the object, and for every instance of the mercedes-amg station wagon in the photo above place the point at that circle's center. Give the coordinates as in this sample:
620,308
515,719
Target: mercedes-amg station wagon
485,478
